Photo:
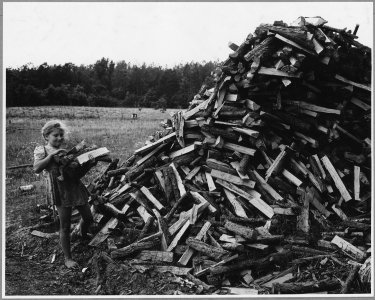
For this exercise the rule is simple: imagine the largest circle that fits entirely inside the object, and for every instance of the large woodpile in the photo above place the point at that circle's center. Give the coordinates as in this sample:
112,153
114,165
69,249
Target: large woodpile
263,184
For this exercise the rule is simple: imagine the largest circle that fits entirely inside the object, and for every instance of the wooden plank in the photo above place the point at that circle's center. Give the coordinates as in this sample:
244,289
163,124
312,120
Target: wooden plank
231,97
182,151
281,279
155,144
303,223
318,48
358,85
253,199
210,182
317,160
189,251
156,256
184,216
241,291
105,231
314,107
202,200
283,211
192,173
294,44
211,251
151,197
171,269
336,178
85,157
191,123
149,155
146,243
143,213
163,229
299,167
180,185
360,104
293,179
349,248
188,114
232,178
178,236
267,187
123,189
238,209
357,171
275,72
222,262
44,234
247,131
248,233
238,148
160,178
316,203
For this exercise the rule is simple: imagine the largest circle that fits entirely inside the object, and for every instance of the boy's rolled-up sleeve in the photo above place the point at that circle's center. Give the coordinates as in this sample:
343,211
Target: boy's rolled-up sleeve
39,154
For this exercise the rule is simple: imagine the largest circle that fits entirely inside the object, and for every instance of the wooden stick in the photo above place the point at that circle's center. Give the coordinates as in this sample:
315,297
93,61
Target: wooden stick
238,209
357,171
206,249
152,199
190,251
19,167
143,244
336,178
305,287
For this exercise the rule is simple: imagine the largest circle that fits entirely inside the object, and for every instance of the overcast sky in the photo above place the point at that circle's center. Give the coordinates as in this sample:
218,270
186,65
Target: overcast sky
161,33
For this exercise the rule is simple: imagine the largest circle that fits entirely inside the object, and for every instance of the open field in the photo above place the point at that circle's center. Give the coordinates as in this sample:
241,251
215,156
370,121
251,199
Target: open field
28,258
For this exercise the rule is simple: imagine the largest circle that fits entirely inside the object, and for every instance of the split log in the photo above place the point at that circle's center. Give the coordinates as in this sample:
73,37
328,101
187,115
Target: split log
189,252
336,178
254,264
155,144
246,232
306,287
143,244
155,256
348,248
169,215
213,252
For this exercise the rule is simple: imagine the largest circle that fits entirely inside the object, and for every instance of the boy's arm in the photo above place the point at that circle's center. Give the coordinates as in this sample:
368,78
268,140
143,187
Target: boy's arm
40,165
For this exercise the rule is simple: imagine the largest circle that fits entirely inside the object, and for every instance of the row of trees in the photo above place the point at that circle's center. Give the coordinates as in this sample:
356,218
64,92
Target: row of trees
106,83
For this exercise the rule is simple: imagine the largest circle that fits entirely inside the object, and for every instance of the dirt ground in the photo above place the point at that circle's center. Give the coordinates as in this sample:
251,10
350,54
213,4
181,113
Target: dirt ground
29,269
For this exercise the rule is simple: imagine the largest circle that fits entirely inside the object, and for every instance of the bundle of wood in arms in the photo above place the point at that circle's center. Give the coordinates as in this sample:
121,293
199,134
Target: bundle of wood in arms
74,163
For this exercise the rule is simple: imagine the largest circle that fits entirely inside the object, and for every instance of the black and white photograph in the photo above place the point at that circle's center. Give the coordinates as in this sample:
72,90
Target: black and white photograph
187,149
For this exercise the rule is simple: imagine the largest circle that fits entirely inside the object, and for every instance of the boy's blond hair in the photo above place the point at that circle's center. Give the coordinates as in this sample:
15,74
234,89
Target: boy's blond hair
53,124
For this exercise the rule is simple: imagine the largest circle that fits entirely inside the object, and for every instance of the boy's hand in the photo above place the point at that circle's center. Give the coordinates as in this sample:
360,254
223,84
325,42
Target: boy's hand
63,151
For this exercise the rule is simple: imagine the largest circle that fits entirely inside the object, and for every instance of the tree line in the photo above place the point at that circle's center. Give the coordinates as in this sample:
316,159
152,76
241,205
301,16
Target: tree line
106,83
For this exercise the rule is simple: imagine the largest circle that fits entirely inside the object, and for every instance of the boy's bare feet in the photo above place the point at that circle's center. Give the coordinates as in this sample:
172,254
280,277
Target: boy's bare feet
71,264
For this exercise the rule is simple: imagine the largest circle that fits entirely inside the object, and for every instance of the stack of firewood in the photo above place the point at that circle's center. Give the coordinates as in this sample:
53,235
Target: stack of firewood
263,184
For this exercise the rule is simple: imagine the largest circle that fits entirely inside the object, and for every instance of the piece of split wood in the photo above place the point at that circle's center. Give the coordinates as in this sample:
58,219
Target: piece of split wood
349,248
336,178
189,251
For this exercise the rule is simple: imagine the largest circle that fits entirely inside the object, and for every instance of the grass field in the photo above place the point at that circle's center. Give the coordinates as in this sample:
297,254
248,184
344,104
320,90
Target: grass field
113,128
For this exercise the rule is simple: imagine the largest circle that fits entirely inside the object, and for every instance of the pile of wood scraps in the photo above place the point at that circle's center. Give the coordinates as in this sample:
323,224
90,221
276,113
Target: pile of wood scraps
264,184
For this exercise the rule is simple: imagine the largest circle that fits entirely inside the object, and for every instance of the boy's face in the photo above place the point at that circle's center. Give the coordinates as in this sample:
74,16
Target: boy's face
56,138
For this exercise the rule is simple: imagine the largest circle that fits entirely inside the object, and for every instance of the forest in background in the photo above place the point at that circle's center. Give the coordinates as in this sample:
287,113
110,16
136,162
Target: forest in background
107,84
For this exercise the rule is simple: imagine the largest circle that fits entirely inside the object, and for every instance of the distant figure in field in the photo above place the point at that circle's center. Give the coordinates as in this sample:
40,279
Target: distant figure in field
66,194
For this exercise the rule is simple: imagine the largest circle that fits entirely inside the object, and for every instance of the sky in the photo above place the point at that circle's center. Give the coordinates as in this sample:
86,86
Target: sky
160,33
